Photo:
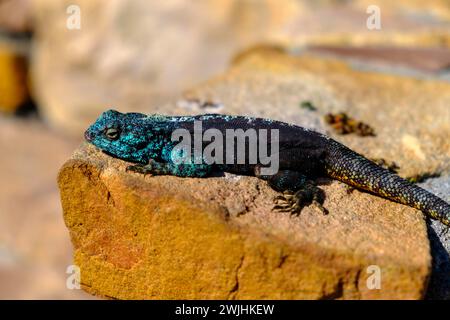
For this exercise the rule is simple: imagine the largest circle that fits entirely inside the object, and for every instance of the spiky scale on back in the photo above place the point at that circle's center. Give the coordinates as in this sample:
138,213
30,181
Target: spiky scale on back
143,138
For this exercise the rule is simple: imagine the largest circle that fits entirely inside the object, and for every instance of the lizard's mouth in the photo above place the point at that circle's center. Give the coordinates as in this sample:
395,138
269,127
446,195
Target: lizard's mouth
107,153
88,136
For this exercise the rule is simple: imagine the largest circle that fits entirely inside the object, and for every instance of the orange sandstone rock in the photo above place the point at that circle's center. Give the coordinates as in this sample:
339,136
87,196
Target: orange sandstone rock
166,237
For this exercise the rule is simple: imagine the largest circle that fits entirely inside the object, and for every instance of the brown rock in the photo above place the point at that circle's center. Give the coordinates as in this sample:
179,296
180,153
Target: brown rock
166,237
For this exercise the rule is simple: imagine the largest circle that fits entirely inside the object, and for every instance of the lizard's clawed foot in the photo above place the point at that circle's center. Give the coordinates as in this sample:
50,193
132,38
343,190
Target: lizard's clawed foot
294,202
141,168
287,203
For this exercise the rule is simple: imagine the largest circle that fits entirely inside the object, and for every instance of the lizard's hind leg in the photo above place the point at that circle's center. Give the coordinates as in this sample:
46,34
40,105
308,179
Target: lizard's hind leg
298,191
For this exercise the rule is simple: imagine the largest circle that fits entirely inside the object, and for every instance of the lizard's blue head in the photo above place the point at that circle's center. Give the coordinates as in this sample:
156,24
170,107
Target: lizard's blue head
127,136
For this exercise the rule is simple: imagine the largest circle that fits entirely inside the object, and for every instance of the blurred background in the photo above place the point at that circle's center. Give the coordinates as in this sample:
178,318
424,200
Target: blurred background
64,62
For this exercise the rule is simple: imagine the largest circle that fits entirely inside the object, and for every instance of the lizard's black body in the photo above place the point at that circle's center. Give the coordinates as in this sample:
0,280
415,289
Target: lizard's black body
303,154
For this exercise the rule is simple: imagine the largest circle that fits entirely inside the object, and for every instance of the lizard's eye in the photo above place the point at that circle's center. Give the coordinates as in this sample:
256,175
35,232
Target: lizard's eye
112,133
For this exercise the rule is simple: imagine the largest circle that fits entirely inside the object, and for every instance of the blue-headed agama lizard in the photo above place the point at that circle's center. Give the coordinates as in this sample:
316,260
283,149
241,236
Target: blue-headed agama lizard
303,154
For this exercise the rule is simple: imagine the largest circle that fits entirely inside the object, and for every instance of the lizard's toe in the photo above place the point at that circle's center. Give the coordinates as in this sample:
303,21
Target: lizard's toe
288,202
295,202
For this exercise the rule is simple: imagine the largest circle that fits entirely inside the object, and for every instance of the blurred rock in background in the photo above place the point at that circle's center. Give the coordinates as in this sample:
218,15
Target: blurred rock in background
13,80
35,248
132,55
15,15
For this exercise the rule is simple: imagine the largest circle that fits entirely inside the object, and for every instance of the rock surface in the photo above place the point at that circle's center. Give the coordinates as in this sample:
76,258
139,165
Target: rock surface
168,237
165,237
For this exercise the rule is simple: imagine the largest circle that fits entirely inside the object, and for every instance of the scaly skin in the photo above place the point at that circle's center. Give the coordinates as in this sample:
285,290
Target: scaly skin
303,154
355,170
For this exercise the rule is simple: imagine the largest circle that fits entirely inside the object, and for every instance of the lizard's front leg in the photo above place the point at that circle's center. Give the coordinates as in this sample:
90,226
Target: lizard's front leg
153,167
298,191
167,168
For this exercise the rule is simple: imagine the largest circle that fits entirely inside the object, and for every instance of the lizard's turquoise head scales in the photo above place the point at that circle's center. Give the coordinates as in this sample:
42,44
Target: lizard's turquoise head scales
128,136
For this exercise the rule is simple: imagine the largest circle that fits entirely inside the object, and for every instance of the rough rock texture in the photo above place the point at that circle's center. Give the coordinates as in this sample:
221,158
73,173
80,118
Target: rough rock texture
166,237
134,54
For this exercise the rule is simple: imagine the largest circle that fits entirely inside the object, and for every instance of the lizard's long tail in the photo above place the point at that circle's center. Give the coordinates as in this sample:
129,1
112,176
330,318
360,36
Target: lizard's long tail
353,169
